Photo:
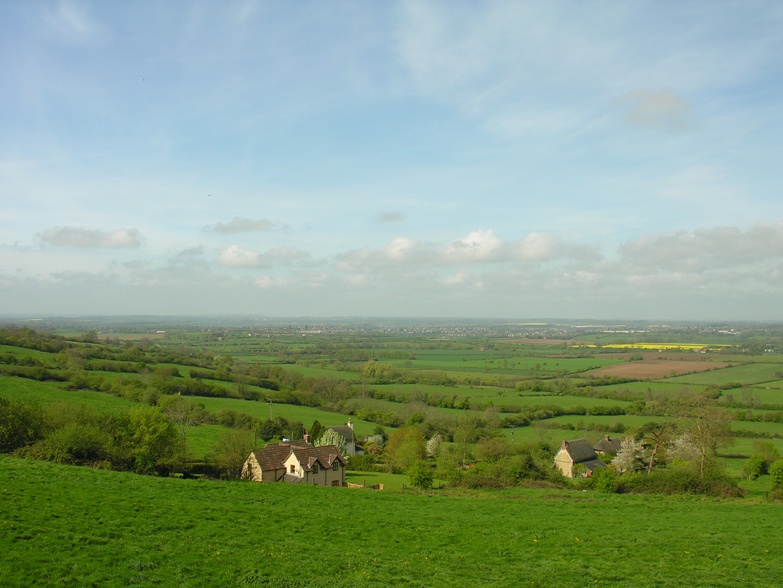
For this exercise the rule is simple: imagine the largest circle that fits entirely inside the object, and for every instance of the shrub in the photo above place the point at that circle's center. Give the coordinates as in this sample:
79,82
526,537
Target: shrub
776,472
679,481
755,466
605,480
421,475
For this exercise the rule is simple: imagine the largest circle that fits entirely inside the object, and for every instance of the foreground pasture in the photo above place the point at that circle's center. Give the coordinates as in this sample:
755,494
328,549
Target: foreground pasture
68,525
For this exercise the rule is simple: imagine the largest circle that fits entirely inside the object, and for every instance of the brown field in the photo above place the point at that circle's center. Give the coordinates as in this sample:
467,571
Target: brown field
653,369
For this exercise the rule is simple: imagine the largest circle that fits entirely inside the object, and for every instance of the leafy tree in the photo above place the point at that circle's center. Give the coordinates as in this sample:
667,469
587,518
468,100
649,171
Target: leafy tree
421,475
315,430
232,449
153,439
448,463
754,467
656,435
404,447
493,449
267,430
331,437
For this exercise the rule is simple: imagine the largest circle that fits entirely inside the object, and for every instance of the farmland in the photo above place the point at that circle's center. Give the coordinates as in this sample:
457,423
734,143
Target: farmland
471,386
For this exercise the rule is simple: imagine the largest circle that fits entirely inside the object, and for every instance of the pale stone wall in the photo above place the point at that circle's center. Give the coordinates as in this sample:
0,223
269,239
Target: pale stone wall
564,463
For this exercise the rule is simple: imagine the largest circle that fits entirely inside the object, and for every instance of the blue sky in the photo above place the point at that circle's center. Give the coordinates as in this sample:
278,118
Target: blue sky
617,160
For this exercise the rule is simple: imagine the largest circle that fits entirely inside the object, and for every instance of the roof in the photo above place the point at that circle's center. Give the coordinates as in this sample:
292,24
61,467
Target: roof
274,455
593,464
345,431
608,445
579,450
325,456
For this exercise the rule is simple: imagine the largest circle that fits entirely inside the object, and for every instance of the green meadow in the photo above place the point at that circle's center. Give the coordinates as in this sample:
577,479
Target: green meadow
65,525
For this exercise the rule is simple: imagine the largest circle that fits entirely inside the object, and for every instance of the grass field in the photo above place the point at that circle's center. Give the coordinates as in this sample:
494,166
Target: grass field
751,373
62,525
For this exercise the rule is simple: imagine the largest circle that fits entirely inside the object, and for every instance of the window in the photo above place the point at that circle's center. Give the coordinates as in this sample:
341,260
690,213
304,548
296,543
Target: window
293,468
315,468
336,465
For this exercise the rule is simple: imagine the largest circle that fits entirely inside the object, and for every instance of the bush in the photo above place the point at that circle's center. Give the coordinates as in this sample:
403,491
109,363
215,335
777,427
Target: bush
679,481
605,480
20,424
755,466
421,475
776,472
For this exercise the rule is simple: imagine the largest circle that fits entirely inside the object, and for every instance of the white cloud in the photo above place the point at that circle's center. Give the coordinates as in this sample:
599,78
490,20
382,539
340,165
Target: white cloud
476,246
236,256
707,249
91,238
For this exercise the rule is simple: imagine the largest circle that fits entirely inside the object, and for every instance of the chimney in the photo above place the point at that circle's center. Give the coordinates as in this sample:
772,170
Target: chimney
307,437
606,437
565,444
350,424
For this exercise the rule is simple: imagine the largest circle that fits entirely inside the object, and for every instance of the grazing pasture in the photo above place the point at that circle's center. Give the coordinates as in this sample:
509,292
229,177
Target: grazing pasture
67,525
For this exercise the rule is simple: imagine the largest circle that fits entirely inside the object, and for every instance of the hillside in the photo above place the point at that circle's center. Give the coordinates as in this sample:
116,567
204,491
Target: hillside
65,525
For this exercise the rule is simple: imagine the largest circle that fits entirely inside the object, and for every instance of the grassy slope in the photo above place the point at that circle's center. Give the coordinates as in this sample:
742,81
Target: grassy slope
66,525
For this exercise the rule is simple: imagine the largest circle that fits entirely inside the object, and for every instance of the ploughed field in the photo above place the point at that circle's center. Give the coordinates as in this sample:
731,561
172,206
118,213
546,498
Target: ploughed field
648,369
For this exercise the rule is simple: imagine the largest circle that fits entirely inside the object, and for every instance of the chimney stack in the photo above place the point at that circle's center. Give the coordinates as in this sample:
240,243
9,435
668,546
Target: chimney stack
307,437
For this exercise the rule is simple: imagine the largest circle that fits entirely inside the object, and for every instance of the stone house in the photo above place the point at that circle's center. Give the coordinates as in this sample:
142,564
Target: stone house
608,445
296,462
346,432
577,452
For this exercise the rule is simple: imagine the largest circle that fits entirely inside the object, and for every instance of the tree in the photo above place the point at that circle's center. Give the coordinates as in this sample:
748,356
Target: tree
421,475
776,473
711,428
433,445
404,447
153,439
231,451
315,430
655,434
184,413
331,437
630,457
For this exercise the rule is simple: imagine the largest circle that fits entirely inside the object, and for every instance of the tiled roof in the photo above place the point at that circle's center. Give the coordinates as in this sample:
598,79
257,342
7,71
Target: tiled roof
325,456
273,456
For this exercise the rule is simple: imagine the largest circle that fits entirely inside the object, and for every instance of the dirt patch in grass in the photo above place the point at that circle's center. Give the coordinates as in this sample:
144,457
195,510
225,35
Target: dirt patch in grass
654,369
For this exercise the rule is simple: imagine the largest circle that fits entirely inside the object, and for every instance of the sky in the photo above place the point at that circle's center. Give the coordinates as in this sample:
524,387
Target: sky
578,159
